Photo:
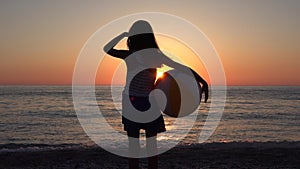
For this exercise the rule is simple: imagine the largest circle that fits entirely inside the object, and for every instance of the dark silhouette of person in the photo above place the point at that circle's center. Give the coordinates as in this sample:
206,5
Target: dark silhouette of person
139,85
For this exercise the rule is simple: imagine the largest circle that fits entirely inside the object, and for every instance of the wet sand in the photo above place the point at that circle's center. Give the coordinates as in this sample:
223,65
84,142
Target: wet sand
236,155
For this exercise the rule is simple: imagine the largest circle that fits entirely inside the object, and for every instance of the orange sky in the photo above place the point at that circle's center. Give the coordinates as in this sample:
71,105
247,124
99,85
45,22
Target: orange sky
258,42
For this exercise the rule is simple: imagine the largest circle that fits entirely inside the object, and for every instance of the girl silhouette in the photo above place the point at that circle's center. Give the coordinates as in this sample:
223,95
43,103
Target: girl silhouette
139,85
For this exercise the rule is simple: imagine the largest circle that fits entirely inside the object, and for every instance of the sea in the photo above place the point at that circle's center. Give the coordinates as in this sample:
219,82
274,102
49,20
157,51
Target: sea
43,117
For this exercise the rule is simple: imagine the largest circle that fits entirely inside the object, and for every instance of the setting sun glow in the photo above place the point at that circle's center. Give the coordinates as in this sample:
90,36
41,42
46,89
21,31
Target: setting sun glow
160,74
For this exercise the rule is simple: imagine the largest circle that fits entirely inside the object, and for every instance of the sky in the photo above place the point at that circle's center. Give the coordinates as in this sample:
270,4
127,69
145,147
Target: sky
258,41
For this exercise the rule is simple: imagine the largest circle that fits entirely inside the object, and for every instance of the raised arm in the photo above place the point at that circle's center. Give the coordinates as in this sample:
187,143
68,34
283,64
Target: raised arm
109,47
169,62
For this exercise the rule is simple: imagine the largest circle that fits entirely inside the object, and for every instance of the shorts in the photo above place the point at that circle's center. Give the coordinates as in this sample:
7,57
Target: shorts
142,104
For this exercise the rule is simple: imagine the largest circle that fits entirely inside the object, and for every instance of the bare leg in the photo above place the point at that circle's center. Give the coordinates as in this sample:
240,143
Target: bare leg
134,148
151,146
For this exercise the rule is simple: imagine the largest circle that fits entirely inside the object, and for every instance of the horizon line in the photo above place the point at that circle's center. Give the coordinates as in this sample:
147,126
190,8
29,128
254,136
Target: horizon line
124,85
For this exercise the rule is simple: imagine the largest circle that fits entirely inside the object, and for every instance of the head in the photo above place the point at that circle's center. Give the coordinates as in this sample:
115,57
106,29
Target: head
141,36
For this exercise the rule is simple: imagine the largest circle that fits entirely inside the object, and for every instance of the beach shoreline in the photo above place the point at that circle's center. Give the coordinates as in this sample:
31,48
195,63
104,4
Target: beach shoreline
209,155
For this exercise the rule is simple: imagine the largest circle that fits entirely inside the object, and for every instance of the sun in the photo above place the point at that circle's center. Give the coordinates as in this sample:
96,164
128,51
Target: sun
159,74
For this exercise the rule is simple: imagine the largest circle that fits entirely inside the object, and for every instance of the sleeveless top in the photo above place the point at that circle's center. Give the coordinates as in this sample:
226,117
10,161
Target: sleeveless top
141,74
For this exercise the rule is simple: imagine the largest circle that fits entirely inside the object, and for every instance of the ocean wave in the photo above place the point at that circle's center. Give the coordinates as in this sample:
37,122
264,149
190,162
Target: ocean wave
244,144
6,148
10,148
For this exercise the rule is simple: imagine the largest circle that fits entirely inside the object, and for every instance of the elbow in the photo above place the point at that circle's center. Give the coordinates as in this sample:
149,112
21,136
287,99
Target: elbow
106,49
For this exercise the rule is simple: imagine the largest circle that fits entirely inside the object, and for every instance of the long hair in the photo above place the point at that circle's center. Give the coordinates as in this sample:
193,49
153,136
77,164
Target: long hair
141,36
